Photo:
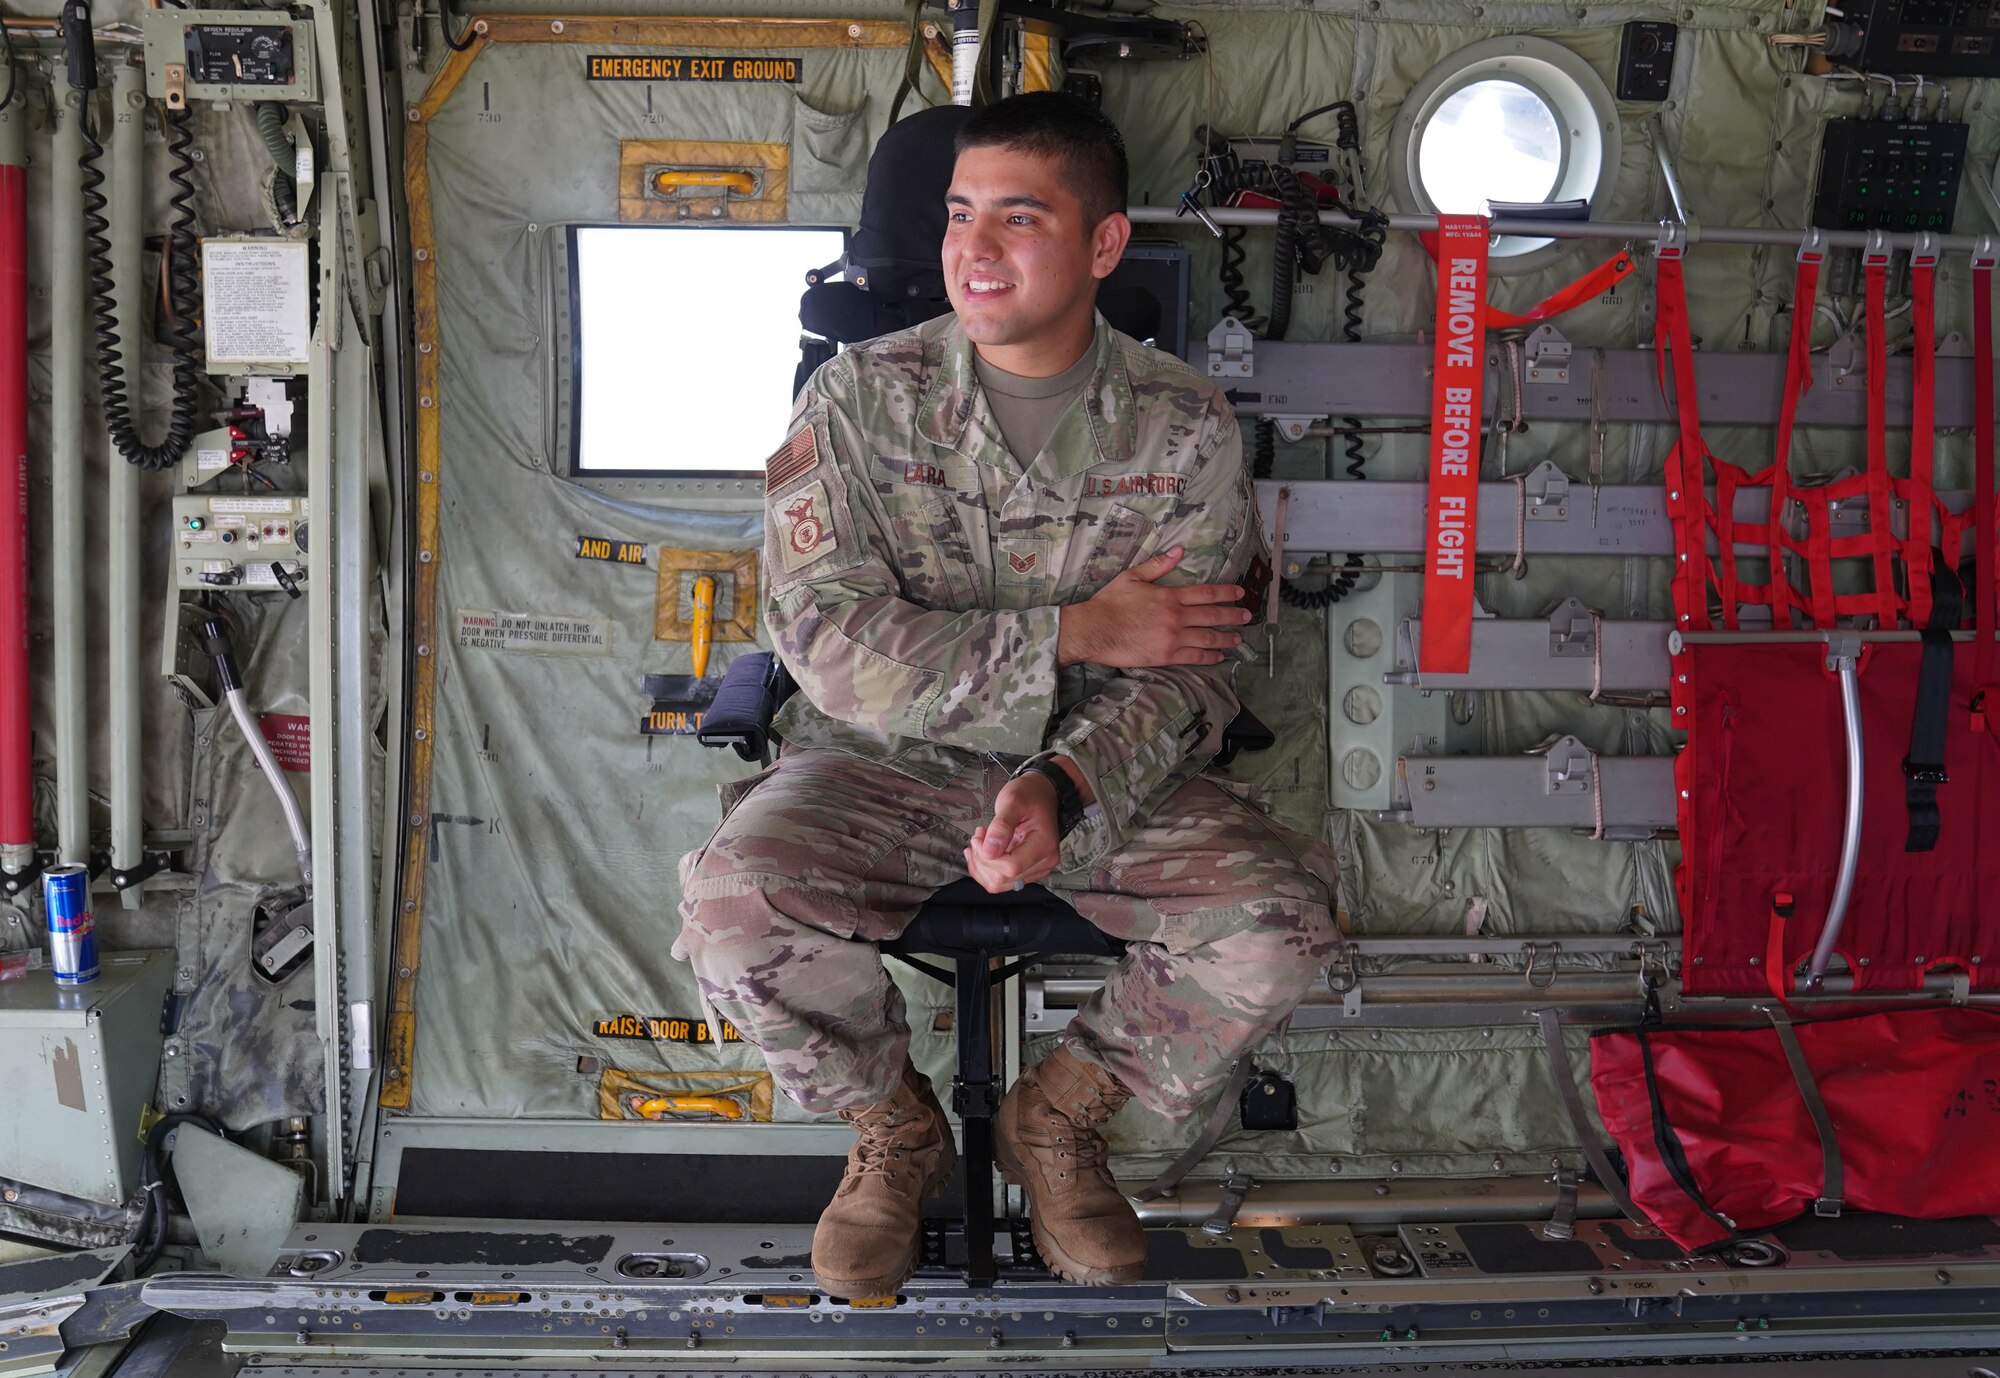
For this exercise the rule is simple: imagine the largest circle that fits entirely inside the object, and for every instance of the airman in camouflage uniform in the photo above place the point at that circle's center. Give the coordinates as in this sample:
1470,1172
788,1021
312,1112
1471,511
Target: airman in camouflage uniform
917,571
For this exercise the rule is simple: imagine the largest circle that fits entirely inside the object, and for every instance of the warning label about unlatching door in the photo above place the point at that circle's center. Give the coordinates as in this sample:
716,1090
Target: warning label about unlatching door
538,633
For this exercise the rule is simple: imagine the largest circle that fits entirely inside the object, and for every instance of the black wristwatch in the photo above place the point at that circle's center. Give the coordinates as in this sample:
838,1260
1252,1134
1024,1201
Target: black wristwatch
1069,804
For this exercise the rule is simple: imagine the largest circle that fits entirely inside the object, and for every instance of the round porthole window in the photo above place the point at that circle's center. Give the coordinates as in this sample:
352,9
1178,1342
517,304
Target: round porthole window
1510,119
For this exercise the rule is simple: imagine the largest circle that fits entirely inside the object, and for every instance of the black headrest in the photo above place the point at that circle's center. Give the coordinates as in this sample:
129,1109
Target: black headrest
896,247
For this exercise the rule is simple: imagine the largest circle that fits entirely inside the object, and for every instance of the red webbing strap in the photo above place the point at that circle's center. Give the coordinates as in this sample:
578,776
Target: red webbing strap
1728,478
1923,421
1983,538
1687,501
1603,278
1458,384
1798,380
1819,563
1875,272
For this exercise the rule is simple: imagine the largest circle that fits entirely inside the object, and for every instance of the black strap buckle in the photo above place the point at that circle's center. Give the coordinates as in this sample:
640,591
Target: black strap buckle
1924,775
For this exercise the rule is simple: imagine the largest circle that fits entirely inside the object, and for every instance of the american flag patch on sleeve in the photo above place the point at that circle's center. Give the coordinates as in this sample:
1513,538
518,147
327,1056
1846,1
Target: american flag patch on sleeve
792,460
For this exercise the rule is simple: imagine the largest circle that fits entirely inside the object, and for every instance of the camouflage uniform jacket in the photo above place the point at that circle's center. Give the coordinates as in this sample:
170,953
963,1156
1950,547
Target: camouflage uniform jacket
915,568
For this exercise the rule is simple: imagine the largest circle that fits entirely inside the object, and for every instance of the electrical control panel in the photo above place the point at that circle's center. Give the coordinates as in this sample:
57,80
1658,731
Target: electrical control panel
1889,175
1646,60
1943,38
254,541
240,55
225,55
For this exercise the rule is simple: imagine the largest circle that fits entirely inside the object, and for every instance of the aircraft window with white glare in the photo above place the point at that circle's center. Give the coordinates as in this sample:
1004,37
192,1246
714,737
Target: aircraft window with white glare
1491,140
686,343
1515,127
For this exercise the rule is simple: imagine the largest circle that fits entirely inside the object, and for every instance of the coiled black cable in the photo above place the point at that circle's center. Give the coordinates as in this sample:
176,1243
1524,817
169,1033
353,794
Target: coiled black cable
1375,225
1263,458
1375,228
1231,275
1301,242
1347,125
1285,247
183,289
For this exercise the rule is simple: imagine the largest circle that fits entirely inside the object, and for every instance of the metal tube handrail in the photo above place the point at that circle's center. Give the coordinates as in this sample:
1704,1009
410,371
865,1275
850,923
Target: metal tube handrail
69,350
1802,636
1673,182
1605,229
125,539
1842,657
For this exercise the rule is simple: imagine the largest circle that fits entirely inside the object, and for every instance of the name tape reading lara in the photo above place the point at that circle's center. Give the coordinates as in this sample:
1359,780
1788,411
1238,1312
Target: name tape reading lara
534,633
683,67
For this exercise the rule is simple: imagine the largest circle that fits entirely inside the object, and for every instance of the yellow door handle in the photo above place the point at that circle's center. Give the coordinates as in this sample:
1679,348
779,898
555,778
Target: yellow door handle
701,631
659,1107
668,181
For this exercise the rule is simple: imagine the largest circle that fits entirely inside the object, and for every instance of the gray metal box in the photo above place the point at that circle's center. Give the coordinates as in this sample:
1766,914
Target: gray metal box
77,1067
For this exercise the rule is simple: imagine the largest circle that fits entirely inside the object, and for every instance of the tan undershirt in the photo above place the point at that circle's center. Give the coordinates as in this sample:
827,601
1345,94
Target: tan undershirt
1029,408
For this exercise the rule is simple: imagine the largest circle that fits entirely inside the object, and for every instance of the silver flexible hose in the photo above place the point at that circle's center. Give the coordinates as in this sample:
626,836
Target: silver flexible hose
295,818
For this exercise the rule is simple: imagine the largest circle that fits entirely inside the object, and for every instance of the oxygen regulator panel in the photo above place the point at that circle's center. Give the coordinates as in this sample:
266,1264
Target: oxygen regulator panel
228,55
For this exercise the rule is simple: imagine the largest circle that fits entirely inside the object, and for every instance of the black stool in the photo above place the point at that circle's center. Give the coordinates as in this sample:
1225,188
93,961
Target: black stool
973,928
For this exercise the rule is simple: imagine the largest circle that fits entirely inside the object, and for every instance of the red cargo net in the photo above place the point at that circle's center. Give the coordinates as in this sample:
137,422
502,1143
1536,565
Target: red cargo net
1763,780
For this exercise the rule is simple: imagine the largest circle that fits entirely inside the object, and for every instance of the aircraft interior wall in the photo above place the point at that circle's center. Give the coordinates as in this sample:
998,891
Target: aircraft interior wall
472,685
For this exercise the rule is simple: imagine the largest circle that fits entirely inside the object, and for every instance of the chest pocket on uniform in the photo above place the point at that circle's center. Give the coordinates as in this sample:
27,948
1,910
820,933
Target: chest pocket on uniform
1100,551
933,552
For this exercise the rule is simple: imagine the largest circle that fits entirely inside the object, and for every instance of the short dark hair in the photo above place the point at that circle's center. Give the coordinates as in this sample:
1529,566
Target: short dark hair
1054,125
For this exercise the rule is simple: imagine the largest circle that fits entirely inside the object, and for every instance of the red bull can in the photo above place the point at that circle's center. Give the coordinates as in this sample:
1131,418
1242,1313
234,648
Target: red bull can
72,936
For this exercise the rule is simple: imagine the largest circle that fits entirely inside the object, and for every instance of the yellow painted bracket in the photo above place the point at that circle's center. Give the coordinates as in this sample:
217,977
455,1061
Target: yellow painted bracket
708,170
681,572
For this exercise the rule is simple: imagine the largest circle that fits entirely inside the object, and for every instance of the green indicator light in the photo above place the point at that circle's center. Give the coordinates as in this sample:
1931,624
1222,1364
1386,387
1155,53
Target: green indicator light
196,523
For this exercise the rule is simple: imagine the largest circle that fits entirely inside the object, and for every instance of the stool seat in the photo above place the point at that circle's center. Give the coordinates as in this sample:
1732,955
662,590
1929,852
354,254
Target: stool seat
963,919
972,928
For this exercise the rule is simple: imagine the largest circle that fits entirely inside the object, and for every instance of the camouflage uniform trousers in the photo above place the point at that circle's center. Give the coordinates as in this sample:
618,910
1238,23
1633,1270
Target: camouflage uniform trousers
1226,914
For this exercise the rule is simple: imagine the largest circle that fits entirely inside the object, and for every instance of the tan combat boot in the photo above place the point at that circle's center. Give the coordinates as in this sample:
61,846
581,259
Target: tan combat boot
1046,1141
867,1241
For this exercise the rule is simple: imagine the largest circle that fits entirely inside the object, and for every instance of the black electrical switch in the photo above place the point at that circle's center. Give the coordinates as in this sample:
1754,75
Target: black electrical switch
1269,1102
1646,60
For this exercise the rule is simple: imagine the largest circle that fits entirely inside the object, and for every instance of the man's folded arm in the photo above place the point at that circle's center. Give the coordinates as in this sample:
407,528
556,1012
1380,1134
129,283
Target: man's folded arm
984,681
1148,726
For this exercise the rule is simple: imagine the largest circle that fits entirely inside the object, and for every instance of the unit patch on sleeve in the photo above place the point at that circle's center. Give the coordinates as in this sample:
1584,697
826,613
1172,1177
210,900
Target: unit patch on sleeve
793,460
805,526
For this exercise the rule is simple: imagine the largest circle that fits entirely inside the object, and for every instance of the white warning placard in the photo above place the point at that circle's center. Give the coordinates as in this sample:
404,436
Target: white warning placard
256,299
538,633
